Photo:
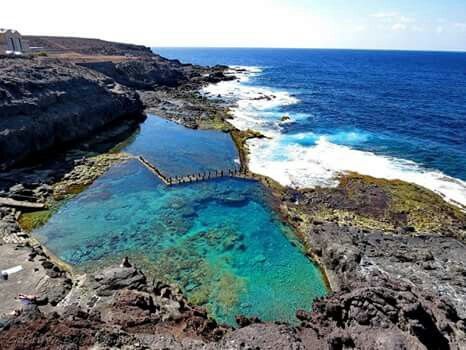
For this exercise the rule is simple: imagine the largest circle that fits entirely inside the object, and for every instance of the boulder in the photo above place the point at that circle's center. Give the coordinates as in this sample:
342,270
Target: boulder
109,280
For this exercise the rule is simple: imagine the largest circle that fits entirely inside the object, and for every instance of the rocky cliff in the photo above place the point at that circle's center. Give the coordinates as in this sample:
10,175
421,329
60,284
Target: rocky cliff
84,85
46,104
140,74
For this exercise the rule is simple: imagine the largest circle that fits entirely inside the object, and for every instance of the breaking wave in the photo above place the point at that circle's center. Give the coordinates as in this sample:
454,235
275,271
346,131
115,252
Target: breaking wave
309,159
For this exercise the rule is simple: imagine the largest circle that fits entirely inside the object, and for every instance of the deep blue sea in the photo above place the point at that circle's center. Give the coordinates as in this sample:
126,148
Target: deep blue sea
388,114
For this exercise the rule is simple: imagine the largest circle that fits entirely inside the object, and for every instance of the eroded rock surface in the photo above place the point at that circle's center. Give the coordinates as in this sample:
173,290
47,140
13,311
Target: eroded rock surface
86,46
394,288
46,104
388,205
114,308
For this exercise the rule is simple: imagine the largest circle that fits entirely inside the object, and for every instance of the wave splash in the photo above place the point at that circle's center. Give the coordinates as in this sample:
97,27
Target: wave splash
308,159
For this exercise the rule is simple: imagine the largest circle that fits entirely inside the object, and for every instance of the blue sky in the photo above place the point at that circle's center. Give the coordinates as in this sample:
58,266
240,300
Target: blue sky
370,24
409,24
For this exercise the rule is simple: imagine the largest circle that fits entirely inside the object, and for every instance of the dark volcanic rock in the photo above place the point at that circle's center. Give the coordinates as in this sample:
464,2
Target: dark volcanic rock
392,291
244,321
142,73
87,46
387,314
433,263
116,278
48,104
217,77
393,205
134,312
265,336
396,286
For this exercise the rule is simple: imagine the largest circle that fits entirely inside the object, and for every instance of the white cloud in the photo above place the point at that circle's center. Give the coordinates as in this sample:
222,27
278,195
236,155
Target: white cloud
385,15
359,28
439,29
393,17
395,21
399,26
460,26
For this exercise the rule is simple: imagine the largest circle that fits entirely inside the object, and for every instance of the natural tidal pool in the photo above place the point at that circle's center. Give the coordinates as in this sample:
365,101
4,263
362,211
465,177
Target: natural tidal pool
220,240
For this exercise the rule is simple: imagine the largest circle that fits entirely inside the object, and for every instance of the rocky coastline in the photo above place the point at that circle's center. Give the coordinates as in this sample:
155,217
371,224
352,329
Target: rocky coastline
393,253
47,105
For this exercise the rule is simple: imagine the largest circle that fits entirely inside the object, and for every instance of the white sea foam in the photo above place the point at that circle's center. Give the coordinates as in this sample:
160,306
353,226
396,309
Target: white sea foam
292,162
252,102
300,166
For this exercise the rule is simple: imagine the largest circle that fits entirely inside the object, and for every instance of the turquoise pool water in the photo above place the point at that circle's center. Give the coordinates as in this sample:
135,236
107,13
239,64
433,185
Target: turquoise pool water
220,241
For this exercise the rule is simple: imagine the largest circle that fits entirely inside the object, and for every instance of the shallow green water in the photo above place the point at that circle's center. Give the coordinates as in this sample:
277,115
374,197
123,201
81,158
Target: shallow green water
219,240
177,150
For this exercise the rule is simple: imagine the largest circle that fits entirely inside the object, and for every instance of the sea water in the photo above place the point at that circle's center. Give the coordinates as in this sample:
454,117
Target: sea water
219,240
388,114
179,151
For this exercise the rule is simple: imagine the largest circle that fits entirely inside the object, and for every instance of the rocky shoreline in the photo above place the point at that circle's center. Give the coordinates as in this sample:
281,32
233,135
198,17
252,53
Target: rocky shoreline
393,253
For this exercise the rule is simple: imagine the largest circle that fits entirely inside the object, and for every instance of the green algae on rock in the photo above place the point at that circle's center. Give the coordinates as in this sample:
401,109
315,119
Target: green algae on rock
375,203
30,221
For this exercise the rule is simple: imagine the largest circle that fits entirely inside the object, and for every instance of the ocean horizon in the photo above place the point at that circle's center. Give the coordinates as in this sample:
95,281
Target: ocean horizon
155,48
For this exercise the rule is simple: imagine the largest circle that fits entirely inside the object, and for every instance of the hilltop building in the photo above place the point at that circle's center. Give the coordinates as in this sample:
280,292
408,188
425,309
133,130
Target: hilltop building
12,43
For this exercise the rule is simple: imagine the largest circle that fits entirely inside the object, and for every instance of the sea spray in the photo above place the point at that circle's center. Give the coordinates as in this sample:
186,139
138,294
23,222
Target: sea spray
310,159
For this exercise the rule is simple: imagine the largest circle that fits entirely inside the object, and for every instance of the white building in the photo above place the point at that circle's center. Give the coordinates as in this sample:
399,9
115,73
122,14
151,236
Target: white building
11,43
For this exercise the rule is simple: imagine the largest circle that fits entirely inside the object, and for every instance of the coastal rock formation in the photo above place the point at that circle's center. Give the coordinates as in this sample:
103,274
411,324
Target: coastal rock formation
86,46
118,307
38,275
45,104
166,87
388,205
143,74
188,108
132,65
115,308
386,314
394,288
391,291
169,88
